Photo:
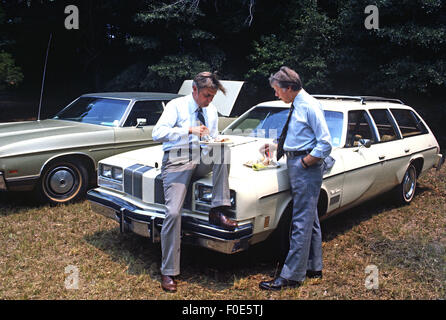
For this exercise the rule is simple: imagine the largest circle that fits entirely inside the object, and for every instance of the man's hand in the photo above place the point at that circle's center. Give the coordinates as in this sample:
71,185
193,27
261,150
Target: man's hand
268,149
199,130
309,160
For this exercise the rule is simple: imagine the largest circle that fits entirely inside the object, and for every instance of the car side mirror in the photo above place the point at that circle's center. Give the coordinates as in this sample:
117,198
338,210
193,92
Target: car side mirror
365,142
141,122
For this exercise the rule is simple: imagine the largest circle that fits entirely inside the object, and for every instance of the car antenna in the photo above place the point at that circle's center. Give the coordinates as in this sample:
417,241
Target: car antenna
43,79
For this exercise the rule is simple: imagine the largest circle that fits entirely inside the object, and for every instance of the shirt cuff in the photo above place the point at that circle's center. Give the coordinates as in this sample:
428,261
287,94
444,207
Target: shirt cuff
319,154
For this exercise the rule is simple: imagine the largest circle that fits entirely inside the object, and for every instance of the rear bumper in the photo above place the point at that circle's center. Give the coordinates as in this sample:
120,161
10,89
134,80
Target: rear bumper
440,161
148,223
2,182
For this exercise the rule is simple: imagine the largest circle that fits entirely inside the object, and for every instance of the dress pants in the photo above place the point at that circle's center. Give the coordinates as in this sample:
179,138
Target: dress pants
177,172
305,251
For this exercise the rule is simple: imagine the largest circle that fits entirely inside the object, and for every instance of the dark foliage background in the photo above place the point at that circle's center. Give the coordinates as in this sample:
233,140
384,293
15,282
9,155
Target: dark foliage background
150,45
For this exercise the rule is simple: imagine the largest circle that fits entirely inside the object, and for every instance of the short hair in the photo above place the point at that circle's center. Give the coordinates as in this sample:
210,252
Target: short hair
286,77
208,80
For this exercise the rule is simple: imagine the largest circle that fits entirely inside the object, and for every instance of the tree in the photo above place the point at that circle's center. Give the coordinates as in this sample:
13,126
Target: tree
329,45
405,55
304,42
167,46
10,74
170,41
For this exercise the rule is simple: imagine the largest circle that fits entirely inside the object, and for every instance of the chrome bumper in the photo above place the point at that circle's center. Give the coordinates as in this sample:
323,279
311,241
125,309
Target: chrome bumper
440,161
148,223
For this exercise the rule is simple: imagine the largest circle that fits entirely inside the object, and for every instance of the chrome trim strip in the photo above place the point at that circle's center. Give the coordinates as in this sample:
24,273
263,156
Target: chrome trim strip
73,153
110,183
14,179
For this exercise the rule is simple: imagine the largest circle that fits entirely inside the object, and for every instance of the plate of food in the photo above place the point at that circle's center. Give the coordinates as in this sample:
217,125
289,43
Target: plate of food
262,164
216,142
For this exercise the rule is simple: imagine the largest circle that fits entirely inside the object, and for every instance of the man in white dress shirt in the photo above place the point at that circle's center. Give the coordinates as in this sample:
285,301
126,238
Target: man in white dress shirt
182,125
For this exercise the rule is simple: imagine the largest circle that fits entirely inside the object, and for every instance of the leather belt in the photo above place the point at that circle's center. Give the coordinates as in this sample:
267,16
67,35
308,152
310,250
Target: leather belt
292,154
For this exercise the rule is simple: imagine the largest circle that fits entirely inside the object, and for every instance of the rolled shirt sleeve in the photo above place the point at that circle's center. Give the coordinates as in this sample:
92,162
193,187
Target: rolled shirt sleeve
317,122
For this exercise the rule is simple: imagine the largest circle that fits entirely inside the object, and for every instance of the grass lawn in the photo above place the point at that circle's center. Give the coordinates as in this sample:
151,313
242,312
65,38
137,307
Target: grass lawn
44,247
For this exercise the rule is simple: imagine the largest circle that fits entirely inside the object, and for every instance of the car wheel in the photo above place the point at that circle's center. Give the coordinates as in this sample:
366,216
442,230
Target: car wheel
405,191
63,182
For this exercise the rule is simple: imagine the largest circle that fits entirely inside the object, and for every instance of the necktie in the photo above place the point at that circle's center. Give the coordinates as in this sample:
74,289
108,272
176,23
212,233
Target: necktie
281,141
200,116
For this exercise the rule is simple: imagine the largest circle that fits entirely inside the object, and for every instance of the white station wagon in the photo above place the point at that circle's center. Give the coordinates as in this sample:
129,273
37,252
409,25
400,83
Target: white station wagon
379,145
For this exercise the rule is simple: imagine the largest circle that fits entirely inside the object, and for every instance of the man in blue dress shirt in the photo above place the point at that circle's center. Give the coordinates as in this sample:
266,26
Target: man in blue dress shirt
305,140
182,125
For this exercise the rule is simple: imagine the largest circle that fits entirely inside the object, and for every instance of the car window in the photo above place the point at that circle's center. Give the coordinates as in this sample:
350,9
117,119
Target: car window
334,121
149,110
408,122
386,129
358,127
102,111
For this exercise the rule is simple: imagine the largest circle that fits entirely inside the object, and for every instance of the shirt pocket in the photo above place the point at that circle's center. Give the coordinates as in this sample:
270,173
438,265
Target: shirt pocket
300,116
184,121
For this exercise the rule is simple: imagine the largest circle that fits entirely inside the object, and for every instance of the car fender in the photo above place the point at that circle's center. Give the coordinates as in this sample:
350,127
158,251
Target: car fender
416,159
285,205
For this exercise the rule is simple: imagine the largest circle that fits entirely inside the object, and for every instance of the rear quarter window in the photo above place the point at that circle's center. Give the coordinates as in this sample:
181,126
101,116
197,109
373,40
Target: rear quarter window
408,122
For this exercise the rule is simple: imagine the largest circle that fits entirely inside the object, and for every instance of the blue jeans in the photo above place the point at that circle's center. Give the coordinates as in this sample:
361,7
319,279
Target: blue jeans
305,240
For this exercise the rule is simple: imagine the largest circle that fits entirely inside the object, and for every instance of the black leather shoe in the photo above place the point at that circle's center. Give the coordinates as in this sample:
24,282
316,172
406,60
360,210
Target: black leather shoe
279,283
218,218
314,274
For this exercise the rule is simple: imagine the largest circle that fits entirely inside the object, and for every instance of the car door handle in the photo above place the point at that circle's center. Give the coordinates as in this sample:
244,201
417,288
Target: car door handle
406,150
381,157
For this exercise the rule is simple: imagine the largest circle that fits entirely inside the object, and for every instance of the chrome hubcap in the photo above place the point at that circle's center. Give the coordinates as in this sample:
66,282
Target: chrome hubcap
61,180
409,184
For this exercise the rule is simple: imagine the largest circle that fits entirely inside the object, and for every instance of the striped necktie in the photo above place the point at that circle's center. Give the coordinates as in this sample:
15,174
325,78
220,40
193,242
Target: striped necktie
281,141
200,115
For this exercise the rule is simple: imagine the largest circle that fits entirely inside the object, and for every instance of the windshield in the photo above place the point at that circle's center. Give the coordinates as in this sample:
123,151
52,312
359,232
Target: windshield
268,122
102,111
263,122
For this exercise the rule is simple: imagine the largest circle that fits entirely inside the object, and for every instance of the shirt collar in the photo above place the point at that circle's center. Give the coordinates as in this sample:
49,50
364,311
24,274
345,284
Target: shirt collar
193,106
300,95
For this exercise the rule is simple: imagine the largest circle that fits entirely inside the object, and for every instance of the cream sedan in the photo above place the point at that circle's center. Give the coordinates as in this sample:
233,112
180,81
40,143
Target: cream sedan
379,145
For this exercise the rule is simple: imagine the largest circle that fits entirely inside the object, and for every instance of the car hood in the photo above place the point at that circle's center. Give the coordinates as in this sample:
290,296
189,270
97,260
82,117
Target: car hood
242,179
243,149
32,136
223,102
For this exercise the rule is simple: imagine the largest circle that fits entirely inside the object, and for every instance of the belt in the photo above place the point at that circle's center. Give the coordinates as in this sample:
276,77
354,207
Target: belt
292,154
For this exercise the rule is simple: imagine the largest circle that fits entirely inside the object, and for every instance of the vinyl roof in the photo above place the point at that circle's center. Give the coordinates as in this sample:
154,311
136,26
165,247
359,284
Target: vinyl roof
134,95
